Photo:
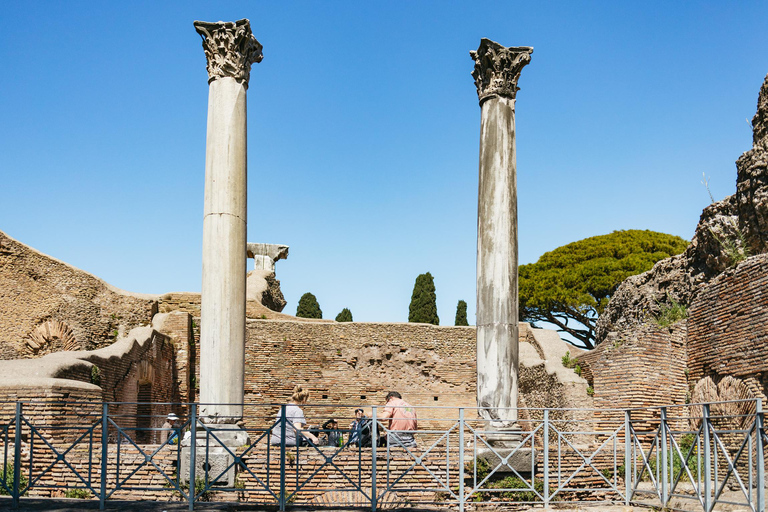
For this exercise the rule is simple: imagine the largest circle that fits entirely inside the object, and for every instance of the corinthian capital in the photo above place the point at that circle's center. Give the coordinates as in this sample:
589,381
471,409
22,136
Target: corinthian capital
230,49
497,68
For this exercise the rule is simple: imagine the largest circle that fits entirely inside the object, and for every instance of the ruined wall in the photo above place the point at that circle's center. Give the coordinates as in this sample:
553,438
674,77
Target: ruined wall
646,370
35,288
138,368
728,327
180,328
353,363
189,302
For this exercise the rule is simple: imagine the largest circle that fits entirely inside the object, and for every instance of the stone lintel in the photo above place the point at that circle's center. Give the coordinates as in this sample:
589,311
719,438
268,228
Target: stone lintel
497,69
265,255
230,49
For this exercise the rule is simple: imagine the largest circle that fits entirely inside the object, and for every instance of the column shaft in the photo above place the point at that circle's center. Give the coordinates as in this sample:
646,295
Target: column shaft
222,324
497,306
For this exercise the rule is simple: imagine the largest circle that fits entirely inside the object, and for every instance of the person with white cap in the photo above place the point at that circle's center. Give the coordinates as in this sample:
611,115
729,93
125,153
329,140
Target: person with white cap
169,433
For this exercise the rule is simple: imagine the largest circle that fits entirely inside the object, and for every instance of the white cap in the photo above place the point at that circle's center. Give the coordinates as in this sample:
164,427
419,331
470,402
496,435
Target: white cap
173,417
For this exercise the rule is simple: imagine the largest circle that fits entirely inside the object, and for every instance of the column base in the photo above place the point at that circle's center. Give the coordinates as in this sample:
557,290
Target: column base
506,451
211,455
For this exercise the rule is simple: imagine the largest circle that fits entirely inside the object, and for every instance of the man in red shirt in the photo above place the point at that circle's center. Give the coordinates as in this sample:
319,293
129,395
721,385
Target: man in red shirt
402,420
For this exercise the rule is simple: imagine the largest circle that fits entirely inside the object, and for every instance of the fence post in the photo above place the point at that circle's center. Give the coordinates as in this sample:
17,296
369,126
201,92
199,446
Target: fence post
664,459
281,501
707,459
461,459
104,454
17,458
628,443
192,487
760,458
374,443
546,458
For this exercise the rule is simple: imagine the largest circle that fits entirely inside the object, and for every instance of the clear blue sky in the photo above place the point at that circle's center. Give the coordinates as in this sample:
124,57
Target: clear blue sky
363,129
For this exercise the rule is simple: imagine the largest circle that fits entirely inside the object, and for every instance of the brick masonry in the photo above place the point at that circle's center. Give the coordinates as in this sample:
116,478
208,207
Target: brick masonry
35,288
726,333
728,326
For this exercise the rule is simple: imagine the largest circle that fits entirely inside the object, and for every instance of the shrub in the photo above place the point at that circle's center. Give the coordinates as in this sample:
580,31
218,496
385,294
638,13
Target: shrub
344,316
568,362
95,375
308,307
79,494
423,308
671,313
461,313
6,479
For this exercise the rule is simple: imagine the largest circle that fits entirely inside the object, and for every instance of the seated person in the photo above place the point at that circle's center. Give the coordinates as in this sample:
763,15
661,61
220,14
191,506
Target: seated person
360,429
333,436
296,432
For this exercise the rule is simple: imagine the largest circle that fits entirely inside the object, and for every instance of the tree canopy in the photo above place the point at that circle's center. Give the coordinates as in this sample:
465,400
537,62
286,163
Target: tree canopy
571,285
461,313
344,316
308,307
423,308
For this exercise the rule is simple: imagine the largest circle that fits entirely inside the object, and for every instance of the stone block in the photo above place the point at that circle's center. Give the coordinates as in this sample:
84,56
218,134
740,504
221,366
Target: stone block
522,460
215,462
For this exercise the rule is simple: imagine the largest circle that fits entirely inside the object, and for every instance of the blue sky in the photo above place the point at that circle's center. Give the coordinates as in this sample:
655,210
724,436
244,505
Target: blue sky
363,129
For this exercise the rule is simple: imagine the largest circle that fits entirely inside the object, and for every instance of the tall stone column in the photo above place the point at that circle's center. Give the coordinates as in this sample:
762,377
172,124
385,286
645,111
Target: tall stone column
497,69
230,49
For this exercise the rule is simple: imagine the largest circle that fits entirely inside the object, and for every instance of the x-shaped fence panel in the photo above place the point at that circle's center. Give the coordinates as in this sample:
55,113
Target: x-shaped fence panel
676,457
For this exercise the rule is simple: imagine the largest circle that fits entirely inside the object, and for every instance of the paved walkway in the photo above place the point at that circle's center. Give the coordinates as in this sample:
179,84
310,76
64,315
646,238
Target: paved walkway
71,505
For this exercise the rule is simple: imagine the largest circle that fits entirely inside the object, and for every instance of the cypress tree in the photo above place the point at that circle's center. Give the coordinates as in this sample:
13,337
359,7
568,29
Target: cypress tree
344,316
308,307
423,308
461,313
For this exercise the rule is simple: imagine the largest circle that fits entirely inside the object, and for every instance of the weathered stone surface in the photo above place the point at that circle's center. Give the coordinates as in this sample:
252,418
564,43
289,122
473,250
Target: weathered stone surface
497,69
266,255
36,289
728,230
230,49
262,287
752,181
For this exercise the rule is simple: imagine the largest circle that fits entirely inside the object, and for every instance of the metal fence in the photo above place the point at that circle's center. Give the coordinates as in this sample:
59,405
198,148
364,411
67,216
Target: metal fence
690,457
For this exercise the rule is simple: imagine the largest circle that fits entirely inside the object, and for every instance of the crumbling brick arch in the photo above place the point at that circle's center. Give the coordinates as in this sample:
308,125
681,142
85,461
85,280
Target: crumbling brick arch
50,336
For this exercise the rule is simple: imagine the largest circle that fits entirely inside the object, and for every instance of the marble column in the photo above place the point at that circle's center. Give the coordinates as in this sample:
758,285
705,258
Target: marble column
230,49
497,69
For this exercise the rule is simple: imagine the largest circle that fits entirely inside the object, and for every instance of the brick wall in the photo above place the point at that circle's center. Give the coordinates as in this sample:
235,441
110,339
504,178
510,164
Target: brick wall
728,325
645,370
179,327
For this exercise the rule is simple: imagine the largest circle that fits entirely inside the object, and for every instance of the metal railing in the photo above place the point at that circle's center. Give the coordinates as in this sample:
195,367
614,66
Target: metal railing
689,457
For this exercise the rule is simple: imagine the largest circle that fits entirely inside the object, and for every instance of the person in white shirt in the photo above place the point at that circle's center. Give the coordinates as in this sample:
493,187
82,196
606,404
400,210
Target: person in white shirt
296,425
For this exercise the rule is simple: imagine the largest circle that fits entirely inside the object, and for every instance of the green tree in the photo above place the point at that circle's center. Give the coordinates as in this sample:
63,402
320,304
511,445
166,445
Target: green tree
344,316
571,285
423,308
461,313
308,307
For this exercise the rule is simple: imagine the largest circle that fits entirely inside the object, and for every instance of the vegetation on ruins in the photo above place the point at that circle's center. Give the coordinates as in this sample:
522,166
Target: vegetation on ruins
461,313
309,307
423,308
571,285
344,316
671,313
78,494
501,488
7,479
95,375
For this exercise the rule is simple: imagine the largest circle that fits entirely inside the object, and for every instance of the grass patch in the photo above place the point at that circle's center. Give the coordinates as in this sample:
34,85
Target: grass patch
671,313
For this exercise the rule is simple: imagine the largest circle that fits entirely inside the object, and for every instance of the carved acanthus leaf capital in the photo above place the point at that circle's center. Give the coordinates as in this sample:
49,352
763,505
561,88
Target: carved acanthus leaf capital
497,68
230,49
